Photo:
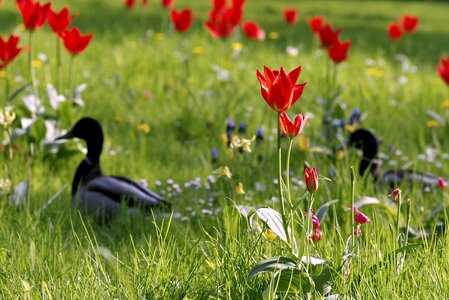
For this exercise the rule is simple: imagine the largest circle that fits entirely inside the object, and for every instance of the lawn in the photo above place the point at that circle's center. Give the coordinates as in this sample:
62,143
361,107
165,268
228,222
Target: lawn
165,99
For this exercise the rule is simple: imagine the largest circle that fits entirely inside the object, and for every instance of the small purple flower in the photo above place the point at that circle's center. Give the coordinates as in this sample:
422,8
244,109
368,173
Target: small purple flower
214,153
355,116
242,127
259,134
230,125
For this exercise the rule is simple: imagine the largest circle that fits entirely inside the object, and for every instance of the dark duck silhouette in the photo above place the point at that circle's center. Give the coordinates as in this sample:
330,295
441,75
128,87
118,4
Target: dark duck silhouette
102,196
366,141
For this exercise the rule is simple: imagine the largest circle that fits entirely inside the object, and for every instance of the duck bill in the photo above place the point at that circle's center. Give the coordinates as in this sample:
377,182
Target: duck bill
66,136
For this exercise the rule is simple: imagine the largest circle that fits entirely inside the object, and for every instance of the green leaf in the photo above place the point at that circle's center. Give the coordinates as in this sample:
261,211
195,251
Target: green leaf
364,201
272,264
273,220
322,211
289,282
17,92
37,131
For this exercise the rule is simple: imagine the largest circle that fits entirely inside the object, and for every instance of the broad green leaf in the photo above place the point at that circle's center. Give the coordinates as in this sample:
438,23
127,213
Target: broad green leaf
272,264
322,211
289,282
37,131
273,220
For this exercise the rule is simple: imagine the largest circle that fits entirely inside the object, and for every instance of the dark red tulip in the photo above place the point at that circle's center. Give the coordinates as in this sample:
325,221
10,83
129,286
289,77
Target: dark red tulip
59,22
279,88
131,3
168,3
74,42
394,31
311,179
181,19
443,69
328,36
289,128
290,15
33,13
222,19
8,50
338,52
409,23
316,23
253,31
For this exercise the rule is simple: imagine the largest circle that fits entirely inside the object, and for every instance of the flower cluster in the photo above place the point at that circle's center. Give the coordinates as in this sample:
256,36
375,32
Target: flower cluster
405,24
316,233
223,19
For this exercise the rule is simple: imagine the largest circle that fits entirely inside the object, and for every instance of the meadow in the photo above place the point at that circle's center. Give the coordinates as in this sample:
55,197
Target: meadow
165,100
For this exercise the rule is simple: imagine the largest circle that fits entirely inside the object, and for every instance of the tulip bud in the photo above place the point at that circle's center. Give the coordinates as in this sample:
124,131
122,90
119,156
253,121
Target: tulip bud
311,179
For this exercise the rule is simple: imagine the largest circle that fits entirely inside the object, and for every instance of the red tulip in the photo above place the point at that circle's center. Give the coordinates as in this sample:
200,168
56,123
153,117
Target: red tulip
443,69
279,89
59,22
338,52
8,50
131,3
409,23
33,13
168,3
394,31
360,218
74,42
223,20
316,23
442,184
253,31
289,128
291,15
311,179
181,19
328,36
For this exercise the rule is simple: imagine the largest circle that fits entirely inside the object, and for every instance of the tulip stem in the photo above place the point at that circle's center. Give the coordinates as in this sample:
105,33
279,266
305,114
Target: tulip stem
6,86
30,63
71,75
287,171
58,64
398,214
352,205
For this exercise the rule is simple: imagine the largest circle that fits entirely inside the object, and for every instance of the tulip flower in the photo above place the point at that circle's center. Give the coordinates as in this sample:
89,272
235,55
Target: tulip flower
181,19
167,3
394,31
409,23
74,42
316,23
442,184
253,31
8,50
338,52
395,194
328,36
311,179
279,88
289,128
33,13
131,3
59,22
443,69
290,15
222,19
360,218
316,235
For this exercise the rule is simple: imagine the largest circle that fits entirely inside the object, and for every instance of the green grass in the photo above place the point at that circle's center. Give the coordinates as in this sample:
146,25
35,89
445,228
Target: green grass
53,253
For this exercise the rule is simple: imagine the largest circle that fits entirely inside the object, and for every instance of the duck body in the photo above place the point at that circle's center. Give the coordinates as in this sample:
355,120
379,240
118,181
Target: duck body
103,196
366,141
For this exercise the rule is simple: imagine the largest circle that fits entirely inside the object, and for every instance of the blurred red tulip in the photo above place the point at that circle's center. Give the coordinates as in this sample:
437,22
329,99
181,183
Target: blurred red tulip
311,179
168,3
409,23
253,31
394,31
223,20
289,128
8,50
290,15
33,13
442,184
74,42
443,69
360,218
338,52
316,23
181,19
131,3
328,36
279,89
59,22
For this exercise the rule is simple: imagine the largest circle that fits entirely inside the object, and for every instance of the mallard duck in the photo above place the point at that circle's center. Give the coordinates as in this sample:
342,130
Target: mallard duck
102,196
366,141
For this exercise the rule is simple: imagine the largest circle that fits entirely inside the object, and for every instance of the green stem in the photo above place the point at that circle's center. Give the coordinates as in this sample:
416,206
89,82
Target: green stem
58,64
409,214
287,170
398,214
352,204
30,63
6,86
71,75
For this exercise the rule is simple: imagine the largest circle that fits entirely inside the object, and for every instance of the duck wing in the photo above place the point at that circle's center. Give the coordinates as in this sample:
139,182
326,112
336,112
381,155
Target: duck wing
120,189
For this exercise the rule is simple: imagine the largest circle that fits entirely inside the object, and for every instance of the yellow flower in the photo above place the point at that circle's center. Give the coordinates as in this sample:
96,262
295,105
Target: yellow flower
21,27
198,50
7,118
245,144
224,139
239,188
159,36
302,143
353,127
432,124
3,74
269,235
274,35
375,72
237,46
341,154
118,119
223,171
36,63
144,127
5,185
445,103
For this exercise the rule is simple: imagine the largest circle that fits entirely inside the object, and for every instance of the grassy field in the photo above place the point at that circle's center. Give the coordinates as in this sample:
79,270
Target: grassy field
184,87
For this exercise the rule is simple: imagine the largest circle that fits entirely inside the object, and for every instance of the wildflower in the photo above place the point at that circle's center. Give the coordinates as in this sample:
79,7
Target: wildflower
292,51
409,23
223,171
375,72
316,23
253,31
395,194
198,50
355,117
445,104
181,19
316,235
358,232
289,128
290,16
443,69
214,154
5,185
239,188
274,35
259,134
230,125
303,143
338,52
311,179
269,235
74,42
279,88
7,117
432,124
442,184
242,127
144,127
394,31
241,143
34,14
360,218
8,50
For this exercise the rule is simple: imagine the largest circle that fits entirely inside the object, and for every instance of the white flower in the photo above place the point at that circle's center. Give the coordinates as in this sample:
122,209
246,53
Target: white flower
34,104
221,74
53,96
292,51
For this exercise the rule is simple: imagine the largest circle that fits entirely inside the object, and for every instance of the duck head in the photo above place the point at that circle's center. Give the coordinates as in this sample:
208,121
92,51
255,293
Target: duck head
90,131
366,141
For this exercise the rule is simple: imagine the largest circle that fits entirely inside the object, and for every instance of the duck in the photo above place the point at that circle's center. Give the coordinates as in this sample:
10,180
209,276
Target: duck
101,196
366,141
